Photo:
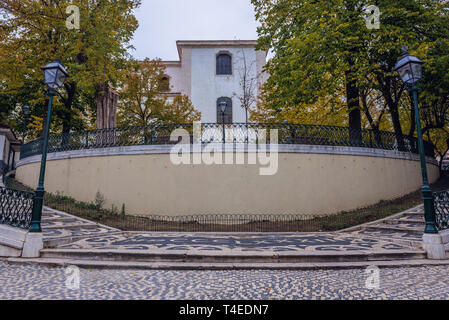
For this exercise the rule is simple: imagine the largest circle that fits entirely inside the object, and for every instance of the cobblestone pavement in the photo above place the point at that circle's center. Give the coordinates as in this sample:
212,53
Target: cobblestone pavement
38,282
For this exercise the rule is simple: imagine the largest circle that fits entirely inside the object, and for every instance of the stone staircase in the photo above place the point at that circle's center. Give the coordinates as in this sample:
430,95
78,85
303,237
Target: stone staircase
406,228
60,228
390,242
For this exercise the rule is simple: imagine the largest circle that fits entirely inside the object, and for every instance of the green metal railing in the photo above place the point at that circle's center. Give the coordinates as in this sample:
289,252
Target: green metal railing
16,207
441,204
233,133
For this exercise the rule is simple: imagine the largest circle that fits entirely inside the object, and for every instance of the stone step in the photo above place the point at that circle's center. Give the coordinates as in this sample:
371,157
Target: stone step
91,264
409,220
75,225
405,223
57,218
414,213
415,239
57,237
196,256
411,243
418,230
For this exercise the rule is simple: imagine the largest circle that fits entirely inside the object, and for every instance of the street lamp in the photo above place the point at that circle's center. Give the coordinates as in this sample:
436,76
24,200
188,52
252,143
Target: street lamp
26,113
409,69
54,75
223,106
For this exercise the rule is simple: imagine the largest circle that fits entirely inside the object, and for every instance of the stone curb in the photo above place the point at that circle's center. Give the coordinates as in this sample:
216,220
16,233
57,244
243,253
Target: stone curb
86,264
228,256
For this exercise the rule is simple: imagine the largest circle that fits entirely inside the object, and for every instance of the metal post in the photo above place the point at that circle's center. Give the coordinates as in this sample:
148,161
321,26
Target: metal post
24,128
429,209
223,117
39,193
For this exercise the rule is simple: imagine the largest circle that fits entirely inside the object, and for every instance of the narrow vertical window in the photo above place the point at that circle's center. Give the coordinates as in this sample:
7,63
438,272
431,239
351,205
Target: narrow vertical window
165,81
224,64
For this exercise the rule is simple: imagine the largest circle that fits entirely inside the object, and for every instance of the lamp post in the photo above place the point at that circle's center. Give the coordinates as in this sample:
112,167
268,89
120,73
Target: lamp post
409,69
223,106
26,113
54,75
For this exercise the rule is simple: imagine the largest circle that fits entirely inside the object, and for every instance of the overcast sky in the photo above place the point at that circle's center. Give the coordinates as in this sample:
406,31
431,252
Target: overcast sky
162,22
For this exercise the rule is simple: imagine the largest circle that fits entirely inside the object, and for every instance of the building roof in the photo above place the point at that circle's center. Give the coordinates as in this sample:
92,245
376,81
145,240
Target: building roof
213,43
4,126
7,130
208,44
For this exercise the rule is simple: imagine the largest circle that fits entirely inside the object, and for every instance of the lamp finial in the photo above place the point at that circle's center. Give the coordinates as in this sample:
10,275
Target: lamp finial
404,50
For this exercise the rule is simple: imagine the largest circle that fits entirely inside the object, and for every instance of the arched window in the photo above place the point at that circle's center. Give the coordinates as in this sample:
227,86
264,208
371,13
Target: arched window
227,116
224,64
165,83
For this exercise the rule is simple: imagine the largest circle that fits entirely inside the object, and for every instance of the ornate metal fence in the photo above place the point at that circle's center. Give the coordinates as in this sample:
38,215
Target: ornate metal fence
16,207
252,133
441,203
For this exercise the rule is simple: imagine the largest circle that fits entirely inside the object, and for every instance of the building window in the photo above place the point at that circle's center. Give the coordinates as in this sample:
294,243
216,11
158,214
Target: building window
224,64
227,117
165,81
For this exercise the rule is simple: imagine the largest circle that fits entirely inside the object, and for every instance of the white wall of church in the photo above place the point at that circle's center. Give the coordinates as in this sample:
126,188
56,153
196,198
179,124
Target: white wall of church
207,87
175,74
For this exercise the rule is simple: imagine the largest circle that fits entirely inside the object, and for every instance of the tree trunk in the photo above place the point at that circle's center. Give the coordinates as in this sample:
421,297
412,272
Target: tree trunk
67,117
353,101
397,125
392,104
106,99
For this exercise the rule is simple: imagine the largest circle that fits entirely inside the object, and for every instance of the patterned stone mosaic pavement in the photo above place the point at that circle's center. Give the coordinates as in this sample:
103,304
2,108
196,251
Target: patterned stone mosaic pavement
400,232
239,243
406,227
60,227
38,282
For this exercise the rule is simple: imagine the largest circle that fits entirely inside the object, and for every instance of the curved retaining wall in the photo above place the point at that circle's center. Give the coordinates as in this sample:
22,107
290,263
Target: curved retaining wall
309,180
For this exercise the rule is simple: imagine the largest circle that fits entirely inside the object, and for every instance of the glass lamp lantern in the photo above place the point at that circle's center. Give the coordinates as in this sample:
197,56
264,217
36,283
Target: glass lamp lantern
223,106
55,75
409,68
26,110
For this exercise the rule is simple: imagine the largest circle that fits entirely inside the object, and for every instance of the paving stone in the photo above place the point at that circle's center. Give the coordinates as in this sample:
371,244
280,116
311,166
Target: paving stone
38,282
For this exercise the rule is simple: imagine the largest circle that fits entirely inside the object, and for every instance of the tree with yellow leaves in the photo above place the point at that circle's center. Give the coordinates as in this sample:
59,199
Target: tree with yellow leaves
325,56
143,97
35,33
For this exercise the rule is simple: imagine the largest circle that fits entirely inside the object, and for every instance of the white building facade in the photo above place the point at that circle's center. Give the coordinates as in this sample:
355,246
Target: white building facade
210,72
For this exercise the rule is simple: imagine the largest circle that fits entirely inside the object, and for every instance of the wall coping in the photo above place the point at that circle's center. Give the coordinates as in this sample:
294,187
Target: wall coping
16,242
281,148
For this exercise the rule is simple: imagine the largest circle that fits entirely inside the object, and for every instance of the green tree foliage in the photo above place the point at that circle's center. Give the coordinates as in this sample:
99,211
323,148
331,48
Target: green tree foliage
325,57
34,33
181,110
143,97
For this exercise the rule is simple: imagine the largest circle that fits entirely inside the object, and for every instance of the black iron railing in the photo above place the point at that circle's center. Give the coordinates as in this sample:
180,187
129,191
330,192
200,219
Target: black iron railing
16,207
227,223
441,203
215,222
233,133
4,171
